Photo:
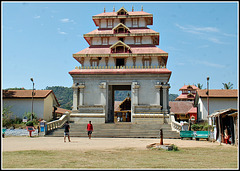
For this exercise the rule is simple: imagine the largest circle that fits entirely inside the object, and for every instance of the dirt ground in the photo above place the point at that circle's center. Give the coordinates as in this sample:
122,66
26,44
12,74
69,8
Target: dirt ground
84,144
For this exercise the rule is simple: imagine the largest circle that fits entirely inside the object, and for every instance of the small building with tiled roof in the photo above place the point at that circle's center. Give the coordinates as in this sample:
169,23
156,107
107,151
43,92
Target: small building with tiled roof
219,99
20,102
58,112
188,93
183,110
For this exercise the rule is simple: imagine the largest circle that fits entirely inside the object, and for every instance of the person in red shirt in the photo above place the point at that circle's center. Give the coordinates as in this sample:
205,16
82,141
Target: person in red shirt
89,129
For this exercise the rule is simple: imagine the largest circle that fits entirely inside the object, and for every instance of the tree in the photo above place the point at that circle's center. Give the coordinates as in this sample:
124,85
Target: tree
228,85
6,116
199,85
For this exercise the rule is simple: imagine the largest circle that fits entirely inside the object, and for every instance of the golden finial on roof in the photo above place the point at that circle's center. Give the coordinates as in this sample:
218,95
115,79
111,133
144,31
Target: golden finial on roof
104,10
113,8
142,8
132,9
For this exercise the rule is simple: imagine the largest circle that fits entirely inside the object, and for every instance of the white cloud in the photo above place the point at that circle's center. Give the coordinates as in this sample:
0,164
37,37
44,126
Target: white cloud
66,20
37,17
61,32
206,63
208,33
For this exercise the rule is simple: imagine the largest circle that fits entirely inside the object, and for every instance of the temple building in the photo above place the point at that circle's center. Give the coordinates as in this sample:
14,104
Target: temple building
122,55
188,93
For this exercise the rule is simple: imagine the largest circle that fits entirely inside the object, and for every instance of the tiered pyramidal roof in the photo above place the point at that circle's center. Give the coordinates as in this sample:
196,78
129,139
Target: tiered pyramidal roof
123,34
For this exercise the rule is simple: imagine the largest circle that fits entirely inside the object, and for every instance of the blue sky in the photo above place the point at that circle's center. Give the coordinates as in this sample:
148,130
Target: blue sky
39,38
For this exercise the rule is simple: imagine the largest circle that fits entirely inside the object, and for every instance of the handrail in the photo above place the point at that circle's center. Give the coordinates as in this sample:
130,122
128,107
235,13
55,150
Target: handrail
176,126
58,123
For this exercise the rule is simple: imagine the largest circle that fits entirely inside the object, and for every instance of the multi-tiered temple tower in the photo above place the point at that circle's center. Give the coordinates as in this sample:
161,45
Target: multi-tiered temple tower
122,56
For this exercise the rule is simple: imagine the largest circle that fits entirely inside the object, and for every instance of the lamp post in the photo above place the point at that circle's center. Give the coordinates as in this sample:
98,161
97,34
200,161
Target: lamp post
32,98
208,102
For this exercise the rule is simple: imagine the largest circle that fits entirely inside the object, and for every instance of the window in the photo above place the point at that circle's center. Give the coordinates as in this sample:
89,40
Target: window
135,22
109,23
94,62
138,40
104,41
146,62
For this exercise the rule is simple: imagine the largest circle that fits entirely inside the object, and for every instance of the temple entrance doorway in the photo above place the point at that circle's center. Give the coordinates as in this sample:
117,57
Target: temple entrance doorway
119,104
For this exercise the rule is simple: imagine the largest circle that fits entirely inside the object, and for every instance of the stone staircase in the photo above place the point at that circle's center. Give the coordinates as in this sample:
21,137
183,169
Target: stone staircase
119,130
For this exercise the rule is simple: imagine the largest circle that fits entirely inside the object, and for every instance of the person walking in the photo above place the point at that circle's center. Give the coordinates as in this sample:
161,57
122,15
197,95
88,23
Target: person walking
66,132
89,129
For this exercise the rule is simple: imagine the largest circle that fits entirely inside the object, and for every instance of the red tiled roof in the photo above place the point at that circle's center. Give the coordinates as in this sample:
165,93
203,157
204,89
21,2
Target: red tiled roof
218,93
132,30
121,71
185,87
135,49
27,94
193,110
115,13
184,96
61,110
116,105
180,107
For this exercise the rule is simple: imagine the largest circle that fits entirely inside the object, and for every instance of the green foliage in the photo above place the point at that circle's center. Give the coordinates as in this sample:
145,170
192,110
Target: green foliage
64,96
29,123
228,85
200,86
28,115
175,148
6,116
15,88
201,127
172,97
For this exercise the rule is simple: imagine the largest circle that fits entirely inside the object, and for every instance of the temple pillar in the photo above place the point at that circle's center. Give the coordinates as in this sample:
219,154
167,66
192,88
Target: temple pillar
102,86
158,86
75,97
135,87
81,89
165,87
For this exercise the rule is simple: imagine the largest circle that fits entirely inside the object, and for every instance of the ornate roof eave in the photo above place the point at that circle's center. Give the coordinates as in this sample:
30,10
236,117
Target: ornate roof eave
122,8
120,24
120,42
122,16
121,55
120,34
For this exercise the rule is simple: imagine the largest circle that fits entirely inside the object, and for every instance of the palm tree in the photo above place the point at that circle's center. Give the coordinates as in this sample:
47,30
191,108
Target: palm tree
228,85
199,85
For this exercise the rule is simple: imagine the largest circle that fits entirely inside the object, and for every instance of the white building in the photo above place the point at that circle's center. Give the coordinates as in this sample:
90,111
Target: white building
20,102
122,56
218,100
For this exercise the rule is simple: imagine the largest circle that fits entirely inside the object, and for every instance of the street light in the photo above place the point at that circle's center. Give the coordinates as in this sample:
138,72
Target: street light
32,98
208,101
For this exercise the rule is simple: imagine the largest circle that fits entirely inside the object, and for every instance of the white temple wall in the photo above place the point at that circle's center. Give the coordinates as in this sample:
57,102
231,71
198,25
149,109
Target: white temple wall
129,61
147,92
92,94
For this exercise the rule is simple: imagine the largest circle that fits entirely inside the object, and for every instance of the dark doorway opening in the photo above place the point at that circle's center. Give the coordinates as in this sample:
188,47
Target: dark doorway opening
120,62
119,103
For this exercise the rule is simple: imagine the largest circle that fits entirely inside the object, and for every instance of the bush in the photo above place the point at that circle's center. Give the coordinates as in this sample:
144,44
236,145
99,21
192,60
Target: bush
29,123
201,127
